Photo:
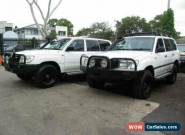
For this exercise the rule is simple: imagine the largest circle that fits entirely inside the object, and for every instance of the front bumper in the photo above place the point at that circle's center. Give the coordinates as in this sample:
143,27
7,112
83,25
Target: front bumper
22,69
114,76
13,66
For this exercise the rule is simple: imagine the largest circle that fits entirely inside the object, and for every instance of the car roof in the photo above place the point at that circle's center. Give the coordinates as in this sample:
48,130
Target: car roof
151,36
85,38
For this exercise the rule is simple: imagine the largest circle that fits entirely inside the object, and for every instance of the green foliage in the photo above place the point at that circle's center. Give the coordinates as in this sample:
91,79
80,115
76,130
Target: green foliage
97,30
131,24
53,22
53,35
62,22
167,22
85,32
164,24
155,24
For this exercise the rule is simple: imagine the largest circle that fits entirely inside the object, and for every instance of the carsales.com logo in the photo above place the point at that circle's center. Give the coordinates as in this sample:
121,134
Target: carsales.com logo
149,126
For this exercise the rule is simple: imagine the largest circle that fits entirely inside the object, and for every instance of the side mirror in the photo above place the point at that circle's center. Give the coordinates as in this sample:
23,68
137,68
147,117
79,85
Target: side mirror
70,48
160,50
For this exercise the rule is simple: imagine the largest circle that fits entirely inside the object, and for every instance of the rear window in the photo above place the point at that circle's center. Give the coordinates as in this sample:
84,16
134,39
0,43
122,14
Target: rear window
104,45
92,45
170,45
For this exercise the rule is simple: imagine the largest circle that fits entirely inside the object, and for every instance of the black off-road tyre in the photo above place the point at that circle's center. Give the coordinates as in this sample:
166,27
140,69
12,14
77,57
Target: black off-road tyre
95,84
171,79
142,87
24,77
46,76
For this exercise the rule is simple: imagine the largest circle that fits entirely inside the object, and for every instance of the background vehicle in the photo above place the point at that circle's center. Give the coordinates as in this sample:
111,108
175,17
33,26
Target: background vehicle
44,65
137,59
181,48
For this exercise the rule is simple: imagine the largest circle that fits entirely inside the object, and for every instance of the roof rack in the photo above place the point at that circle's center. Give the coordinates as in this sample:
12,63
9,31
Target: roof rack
144,34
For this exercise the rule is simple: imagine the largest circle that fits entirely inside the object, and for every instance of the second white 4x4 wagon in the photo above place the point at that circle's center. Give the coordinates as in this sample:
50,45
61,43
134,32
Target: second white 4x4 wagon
137,59
57,57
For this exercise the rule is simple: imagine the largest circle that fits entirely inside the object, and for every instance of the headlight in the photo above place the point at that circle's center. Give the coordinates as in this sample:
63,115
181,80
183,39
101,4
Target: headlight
104,63
127,65
29,59
92,63
22,60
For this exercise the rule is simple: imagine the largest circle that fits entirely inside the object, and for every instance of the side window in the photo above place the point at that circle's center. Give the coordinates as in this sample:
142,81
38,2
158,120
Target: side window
160,46
76,45
104,45
173,44
170,45
92,45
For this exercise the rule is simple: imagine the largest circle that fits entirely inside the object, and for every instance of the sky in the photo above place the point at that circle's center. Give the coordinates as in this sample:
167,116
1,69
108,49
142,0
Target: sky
83,13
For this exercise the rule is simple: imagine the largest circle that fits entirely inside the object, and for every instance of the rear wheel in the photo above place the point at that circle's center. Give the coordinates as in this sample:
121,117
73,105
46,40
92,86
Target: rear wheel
142,87
95,84
171,79
46,76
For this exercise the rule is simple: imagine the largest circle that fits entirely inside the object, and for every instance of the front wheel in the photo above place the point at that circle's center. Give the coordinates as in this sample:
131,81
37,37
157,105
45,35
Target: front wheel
24,77
95,84
142,87
46,76
171,79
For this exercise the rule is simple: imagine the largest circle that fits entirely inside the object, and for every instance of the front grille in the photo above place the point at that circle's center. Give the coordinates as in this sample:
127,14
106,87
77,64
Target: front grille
14,60
114,63
98,62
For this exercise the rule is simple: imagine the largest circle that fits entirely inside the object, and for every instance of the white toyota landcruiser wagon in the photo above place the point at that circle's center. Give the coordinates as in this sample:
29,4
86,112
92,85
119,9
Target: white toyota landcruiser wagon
46,64
137,59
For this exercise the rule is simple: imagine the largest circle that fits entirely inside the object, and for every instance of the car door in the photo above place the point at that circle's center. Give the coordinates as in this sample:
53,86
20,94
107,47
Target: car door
170,49
72,56
160,58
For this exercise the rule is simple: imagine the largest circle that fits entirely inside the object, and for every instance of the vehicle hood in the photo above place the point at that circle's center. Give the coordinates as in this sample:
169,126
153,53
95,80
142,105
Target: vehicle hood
136,55
39,52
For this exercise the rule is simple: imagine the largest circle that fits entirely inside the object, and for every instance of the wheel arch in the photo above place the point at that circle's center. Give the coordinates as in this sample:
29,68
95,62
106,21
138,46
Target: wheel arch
150,68
176,63
52,63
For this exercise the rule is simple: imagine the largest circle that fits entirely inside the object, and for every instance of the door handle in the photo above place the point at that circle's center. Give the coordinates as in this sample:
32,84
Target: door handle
173,54
166,56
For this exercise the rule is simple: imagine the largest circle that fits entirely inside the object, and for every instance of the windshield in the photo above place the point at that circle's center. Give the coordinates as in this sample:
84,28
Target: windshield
57,45
134,43
181,48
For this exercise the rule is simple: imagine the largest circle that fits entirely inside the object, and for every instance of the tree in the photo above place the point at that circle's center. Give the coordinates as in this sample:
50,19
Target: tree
53,35
62,22
131,24
164,24
156,24
34,5
85,32
97,30
167,22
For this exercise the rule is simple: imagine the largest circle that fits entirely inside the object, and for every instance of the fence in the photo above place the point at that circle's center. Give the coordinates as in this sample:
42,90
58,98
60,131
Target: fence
26,43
